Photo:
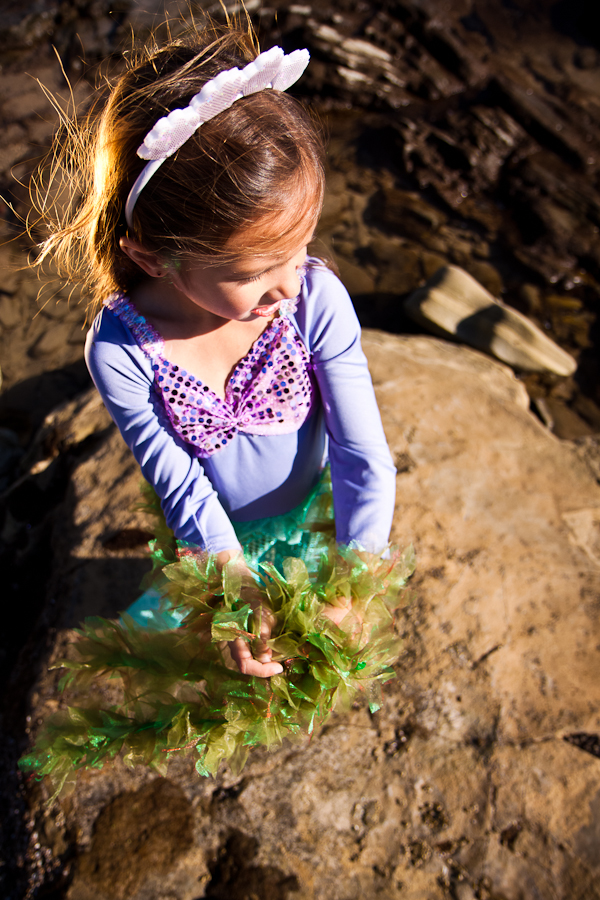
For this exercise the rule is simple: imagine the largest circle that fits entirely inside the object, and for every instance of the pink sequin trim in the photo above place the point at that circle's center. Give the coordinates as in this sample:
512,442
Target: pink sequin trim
271,390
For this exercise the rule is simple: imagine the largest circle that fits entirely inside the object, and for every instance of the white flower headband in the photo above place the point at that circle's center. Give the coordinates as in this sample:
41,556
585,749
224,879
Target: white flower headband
271,69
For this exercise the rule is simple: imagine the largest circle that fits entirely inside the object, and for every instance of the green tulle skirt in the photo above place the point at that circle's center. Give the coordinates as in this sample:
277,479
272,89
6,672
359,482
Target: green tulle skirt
176,688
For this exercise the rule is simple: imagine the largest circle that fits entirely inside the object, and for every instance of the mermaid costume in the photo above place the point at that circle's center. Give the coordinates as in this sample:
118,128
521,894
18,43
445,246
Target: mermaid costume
291,467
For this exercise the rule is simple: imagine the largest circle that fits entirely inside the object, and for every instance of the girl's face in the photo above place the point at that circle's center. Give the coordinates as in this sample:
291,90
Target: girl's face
247,288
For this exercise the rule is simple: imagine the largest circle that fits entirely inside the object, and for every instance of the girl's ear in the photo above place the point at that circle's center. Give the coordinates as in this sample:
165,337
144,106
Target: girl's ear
150,262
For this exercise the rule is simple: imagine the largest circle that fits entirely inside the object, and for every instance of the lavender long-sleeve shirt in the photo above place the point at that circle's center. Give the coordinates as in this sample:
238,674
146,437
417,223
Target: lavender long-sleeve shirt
258,476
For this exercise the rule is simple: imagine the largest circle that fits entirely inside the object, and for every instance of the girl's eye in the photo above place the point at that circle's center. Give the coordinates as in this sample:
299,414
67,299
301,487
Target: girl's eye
250,278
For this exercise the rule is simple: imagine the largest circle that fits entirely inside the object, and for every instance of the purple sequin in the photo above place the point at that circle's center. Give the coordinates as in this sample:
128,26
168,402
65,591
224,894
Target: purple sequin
270,391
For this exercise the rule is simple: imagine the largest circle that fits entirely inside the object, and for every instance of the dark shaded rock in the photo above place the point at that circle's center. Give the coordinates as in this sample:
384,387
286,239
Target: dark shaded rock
403,273
11,454
355,278
234,875
564,422
486,275
136,835
547,121
24,406
406,213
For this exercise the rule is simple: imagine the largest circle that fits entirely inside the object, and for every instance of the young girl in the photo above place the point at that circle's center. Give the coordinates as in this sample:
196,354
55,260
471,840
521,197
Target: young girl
231,363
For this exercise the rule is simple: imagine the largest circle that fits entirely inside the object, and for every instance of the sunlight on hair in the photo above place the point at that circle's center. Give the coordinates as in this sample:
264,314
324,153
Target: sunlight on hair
218,183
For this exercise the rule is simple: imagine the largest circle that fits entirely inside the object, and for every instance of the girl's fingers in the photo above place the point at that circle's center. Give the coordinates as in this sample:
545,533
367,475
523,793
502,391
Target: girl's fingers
262,653
248,664
262,670
336,614
257,658
266,622
352,623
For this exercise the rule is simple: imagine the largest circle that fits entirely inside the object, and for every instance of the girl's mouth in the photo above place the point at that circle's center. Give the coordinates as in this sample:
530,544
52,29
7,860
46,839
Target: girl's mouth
266,311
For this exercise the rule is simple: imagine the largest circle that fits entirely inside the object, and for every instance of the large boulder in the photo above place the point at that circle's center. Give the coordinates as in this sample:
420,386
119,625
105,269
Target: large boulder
463,784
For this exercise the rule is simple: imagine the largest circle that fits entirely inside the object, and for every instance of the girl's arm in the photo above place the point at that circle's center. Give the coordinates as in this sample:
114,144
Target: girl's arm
363,475
124,377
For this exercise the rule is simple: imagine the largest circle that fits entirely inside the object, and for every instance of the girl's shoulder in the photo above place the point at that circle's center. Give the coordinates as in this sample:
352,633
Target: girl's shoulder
325,311
111,343
323,288
108,326
119,321
317,272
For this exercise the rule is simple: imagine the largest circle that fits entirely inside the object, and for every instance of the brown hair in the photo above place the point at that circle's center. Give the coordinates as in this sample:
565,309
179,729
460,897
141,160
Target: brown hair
262,156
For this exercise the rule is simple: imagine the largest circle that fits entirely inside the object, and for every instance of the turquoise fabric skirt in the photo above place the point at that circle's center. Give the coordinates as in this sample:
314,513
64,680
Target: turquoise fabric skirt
304,533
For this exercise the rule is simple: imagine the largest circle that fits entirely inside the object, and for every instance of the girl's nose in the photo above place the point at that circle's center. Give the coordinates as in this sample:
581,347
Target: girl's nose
287,286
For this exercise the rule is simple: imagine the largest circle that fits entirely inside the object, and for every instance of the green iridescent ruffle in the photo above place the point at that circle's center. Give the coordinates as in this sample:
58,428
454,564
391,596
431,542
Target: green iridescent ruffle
179,695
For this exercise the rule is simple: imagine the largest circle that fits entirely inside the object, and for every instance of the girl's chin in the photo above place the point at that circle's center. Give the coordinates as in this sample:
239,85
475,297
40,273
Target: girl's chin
266,311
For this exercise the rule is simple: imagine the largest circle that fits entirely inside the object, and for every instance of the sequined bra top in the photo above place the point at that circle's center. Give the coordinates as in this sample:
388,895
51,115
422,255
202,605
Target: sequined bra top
270,391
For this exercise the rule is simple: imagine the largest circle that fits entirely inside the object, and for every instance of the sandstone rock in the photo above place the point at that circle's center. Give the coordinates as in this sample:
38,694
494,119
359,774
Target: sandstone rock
70,424
403,273
122,855
355,278
588,449
55,336
9,274
10,315
77,335
408,214
55,308
462,784
452,302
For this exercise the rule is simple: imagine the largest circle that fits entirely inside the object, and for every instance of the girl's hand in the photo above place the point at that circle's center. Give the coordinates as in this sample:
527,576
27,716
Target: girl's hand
256,659
345,617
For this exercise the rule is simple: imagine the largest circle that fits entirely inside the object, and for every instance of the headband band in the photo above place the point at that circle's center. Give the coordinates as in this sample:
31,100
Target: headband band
271,69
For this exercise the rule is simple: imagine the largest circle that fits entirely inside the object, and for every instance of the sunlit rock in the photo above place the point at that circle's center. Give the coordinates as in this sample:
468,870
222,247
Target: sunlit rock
453,303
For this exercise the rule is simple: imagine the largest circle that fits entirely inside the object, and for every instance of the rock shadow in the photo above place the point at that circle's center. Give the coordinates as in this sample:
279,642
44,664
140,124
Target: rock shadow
235,877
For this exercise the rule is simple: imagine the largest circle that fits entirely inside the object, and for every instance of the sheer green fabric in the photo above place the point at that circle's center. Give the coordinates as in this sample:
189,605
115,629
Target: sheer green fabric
178,691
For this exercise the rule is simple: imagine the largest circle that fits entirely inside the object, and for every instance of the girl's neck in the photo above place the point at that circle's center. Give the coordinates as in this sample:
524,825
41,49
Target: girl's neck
171,311
200,342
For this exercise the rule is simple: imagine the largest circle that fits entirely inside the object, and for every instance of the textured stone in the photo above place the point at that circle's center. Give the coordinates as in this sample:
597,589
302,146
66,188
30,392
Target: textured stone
355,278
462,784
452,302
54,337
403,273
9,274
10,315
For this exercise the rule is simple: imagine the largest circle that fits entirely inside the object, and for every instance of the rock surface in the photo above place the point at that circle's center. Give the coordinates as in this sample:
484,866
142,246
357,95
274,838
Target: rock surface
464,133
462,785
454,304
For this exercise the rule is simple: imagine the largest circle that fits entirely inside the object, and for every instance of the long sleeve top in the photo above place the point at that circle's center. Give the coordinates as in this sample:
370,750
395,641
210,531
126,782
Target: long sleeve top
257,476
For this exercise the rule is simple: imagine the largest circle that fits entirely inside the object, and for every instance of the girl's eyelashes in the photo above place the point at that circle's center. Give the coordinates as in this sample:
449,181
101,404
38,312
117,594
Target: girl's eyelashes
247,279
